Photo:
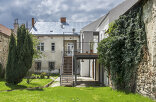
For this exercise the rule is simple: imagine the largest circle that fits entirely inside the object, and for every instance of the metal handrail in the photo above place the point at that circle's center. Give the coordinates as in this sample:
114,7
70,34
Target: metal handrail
61,67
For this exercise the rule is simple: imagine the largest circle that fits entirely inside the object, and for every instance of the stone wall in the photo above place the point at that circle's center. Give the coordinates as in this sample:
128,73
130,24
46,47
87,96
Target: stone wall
146,80
4,47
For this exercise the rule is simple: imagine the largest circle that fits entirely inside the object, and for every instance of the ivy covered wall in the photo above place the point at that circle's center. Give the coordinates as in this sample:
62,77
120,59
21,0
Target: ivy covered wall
129,53
122,51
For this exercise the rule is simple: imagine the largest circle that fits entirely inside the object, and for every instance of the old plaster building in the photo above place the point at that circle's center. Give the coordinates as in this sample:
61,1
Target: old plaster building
55,38
4,44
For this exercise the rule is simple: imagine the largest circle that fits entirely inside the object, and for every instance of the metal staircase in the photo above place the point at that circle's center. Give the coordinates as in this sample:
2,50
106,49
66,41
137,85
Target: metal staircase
66,71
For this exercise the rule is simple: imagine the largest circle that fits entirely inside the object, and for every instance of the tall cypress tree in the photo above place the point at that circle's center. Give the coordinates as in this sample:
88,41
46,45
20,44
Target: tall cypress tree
25,52
21,35
23,59
10,68
28,49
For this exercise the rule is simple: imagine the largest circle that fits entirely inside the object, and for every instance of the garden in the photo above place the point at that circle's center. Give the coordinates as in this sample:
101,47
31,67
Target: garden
36,80
71,94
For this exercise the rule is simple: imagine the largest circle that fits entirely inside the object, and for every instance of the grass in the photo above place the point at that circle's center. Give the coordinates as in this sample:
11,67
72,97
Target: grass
23,84
71,94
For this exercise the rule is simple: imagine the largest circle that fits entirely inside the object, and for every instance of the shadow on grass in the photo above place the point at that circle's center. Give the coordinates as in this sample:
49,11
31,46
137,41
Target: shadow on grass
35,89
22,87
13,87
123,91
2,80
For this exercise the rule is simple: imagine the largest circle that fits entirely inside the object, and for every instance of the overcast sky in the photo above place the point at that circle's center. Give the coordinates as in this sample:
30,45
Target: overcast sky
52,10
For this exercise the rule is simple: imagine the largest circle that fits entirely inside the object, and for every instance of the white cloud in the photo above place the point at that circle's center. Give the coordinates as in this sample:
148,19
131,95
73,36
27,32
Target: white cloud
52,10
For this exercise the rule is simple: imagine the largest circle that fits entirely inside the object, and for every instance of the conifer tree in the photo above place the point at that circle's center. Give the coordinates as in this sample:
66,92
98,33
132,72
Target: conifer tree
10,68
19,65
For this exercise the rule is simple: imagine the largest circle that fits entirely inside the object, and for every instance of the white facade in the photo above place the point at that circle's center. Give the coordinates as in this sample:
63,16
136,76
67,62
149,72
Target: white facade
53,56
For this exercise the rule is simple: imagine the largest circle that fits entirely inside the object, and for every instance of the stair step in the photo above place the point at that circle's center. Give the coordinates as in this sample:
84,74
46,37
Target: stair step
66,70
67,84
68,73
66,81
69,69
66,78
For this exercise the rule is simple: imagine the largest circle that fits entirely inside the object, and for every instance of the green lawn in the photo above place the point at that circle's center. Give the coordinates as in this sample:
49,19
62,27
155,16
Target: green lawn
71,94
23,84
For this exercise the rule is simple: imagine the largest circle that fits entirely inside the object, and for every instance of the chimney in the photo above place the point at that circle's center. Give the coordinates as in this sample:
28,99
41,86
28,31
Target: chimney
63,19
16,25
33,22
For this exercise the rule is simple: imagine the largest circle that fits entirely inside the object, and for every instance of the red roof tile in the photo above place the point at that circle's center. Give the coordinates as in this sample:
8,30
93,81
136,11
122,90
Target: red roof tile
5,30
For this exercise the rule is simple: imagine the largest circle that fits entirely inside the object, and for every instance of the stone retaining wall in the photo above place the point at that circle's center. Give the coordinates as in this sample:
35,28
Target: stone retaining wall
146,80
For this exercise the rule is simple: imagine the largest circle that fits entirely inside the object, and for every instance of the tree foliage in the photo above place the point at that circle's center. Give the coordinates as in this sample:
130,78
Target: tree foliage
2,71
20,58
122,50
37,53
11,68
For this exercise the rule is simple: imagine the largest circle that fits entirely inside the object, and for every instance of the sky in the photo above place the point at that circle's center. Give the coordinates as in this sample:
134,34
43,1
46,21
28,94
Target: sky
52,10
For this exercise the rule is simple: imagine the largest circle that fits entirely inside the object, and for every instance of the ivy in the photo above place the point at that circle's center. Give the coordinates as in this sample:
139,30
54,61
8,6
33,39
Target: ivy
121,51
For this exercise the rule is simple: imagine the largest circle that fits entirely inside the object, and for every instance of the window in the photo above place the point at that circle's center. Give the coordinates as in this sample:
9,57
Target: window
52,46
51,66
40,47
38,65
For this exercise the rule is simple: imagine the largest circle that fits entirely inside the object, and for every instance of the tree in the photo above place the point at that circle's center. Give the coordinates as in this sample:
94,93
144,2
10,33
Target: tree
1,71
24,57
10,68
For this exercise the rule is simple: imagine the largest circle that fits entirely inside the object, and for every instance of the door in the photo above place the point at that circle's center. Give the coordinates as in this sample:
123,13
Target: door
70,48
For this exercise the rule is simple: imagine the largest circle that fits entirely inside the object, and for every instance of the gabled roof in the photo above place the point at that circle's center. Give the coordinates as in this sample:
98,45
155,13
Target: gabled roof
92,26
5,30
57,28
111,16
121,9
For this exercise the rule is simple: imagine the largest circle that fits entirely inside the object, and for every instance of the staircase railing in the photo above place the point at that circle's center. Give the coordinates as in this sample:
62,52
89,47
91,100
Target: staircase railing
61,67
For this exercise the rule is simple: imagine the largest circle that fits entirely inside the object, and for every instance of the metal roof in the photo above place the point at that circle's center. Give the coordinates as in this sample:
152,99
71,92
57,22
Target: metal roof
112,15
92,26
119,10
57,28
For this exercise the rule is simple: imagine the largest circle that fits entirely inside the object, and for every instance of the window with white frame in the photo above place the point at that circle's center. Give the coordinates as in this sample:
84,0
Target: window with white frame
40,47
52,46
51,66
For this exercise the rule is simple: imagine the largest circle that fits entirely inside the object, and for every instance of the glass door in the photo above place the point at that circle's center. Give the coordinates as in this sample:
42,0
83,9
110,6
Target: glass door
70,48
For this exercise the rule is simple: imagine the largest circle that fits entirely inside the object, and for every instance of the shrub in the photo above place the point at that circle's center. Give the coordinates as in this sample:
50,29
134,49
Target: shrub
43,74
